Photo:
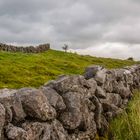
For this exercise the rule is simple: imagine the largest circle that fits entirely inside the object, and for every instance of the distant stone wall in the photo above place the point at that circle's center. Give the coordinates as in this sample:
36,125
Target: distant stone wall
29,49
69,108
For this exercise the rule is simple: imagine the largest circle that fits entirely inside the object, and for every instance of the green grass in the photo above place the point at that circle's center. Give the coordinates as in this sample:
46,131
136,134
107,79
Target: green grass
32,70
127,125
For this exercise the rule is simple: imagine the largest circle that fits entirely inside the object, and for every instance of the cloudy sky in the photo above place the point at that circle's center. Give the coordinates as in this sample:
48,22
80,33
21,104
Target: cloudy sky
108,28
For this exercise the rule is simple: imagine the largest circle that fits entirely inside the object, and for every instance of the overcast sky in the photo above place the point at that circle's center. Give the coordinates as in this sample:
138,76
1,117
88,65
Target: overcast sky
109,28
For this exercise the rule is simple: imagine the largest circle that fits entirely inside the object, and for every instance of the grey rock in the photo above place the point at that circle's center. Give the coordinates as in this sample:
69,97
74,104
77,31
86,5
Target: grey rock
91,71
2,120
124,92
72,117
90,105
16,133
119,74
58,132
93,86
100,93
45,131
112,98
70,84
128,77
54,98
104,126
110,81
37,130
125,102
100,77
36,104
13,106
98,111
88,124
113,111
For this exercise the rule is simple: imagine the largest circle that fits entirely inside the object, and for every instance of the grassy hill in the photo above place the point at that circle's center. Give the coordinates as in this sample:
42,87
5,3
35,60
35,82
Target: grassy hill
32,70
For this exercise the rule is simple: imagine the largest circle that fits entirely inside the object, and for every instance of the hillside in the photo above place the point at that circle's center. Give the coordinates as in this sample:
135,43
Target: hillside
32,70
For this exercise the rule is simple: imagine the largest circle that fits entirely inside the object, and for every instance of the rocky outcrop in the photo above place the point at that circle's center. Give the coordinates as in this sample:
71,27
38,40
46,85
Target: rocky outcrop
29,49
70,108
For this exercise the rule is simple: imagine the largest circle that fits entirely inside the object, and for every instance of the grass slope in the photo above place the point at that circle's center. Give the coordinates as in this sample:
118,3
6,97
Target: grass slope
127,125
32,70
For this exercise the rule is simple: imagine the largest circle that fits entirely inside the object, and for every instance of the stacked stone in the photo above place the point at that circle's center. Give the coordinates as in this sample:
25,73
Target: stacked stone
69,108
30,49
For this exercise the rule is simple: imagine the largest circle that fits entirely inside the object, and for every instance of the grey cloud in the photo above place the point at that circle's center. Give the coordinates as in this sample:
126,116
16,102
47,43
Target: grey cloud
127,31
79,23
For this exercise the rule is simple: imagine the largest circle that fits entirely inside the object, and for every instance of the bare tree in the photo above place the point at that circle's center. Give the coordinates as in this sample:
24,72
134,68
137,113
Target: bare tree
65,47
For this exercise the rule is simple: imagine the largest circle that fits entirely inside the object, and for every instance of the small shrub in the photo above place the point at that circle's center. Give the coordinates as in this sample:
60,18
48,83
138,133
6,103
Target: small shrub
130,58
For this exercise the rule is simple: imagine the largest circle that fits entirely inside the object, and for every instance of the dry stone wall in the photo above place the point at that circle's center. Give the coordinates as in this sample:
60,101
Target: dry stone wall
70,108
30,49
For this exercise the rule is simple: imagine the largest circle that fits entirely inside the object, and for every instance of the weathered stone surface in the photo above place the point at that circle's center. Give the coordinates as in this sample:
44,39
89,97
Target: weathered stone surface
36,104
7,91
16,133
93,86
37,130
100,76
91,71
112,98
100,93
123,91
45,131
91,106
98,111
58,132
54,98
104,126
70,84
88,125
113,111
2,120
128,77
119,74
72,117
110,81
12,104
